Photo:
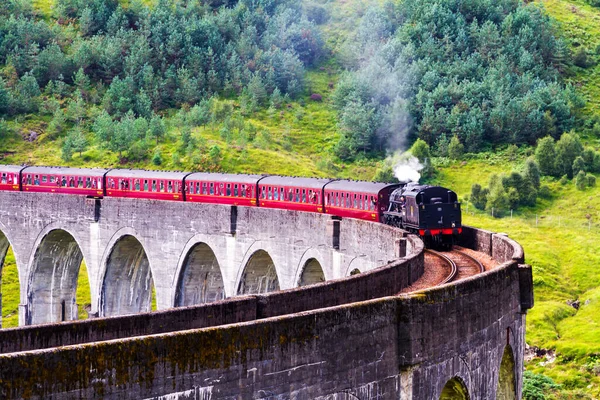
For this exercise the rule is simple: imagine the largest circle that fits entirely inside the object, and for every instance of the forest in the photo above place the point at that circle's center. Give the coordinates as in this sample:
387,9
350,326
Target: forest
134,62
486,72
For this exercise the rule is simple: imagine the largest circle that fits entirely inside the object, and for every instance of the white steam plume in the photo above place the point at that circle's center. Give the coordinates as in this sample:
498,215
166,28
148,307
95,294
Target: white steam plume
408,169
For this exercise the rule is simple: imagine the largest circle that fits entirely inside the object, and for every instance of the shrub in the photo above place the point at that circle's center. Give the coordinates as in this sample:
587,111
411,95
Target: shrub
591,180
536,386
316,97
157,159
455,149
580,58
581,181
545,192
564,180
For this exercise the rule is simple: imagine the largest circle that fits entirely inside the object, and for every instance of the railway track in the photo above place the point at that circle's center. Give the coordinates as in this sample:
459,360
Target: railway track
445,267
460,265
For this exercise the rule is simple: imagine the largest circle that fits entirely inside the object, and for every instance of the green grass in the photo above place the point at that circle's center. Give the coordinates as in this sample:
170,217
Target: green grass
10,291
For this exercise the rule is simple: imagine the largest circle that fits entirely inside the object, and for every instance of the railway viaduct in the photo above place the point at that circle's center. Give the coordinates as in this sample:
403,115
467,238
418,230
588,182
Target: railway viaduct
235,320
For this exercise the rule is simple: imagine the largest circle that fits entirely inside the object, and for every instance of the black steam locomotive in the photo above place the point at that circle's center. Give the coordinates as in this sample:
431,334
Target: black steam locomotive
433,212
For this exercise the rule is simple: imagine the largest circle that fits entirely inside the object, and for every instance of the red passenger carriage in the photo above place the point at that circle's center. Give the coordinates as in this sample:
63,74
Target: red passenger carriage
159,185
362,200
10,177
81,181
234,189
301,194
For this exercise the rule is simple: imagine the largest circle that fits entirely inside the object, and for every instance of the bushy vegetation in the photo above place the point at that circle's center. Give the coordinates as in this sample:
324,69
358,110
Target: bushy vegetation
485,72
508,192
109,68
146,60
536,385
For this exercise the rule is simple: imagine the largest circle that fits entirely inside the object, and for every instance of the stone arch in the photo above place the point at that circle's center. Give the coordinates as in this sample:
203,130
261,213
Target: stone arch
200,279
310,256
127,283
259,275
506,376
355,267
455,389
52,278
312,272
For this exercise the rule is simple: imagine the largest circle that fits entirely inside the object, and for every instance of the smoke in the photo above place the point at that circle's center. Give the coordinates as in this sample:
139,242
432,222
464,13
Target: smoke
408,169
382,76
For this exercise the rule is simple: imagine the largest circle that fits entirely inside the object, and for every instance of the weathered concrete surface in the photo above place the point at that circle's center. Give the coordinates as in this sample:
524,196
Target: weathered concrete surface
129,245
405,347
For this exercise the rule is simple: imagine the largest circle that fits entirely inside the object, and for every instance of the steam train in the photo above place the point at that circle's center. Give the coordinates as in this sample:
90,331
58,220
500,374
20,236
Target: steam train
430,211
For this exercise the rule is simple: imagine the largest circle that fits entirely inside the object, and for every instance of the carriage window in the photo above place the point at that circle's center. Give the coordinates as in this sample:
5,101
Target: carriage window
36,180
327,199
243,191
236,192
276,193
44,179
80,182
229,189
137,184
290,195
170,187
29,179
3,178
204,188
270,194
263,192
212,188
154,186
373,203
355,202
297,195
52,179
177,187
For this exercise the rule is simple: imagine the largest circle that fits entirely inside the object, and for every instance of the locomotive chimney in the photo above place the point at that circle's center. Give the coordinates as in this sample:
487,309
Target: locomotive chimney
449,196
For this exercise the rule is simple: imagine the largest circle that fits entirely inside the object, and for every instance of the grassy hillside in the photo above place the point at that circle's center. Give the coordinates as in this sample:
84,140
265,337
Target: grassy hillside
560,243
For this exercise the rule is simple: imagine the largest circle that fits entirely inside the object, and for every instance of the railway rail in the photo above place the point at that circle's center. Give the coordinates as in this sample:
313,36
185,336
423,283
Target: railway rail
445,267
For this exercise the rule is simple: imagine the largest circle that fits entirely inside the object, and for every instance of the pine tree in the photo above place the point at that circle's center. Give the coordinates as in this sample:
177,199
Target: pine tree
455,149
545,155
